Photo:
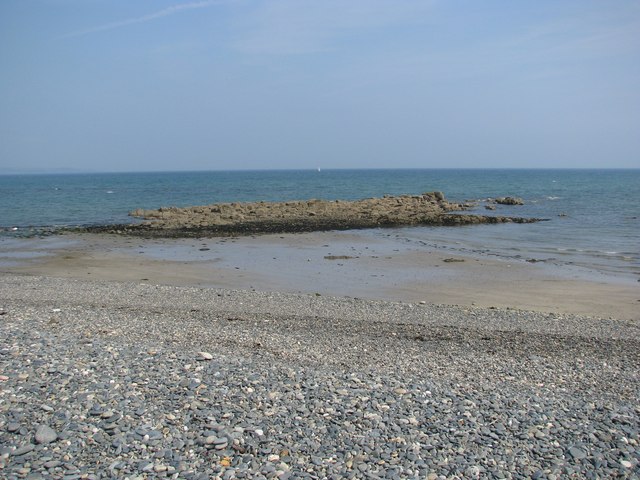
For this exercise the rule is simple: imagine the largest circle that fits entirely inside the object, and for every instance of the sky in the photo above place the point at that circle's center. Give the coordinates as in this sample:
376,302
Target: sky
156,85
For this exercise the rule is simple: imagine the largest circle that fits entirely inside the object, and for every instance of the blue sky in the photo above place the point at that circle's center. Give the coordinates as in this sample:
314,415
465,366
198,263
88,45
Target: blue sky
119,85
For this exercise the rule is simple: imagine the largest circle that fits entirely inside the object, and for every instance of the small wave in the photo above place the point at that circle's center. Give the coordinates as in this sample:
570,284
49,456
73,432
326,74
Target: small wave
553,198
109,191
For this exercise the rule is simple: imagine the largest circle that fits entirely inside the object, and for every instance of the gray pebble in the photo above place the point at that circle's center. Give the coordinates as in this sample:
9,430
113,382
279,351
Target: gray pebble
45,434
577,453
22,450
308,387
13,427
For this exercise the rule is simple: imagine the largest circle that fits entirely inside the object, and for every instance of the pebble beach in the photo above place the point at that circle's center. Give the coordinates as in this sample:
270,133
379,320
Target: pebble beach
106,379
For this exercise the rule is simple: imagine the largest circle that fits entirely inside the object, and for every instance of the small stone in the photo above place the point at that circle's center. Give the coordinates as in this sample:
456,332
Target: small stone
577,453
626,463
472,472
45,434
154,435
96,410
23,449
13,427
205,356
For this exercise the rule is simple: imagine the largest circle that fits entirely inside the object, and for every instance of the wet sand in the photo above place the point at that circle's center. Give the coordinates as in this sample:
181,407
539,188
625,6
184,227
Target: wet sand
350,264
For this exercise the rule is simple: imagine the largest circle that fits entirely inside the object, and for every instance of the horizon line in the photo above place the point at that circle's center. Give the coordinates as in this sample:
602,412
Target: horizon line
310,169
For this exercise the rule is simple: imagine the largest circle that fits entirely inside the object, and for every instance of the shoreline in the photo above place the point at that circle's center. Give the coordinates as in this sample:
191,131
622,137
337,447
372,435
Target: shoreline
339,263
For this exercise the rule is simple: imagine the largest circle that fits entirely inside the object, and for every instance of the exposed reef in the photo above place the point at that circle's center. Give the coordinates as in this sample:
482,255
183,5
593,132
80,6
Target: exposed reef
224,219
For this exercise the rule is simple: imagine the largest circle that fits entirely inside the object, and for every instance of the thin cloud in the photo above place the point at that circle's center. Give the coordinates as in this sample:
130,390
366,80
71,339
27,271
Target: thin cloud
285,27
143,19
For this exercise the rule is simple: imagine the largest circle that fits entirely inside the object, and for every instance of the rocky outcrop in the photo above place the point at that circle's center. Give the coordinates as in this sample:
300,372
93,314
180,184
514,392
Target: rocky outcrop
509,201
228,219
462,219
385,211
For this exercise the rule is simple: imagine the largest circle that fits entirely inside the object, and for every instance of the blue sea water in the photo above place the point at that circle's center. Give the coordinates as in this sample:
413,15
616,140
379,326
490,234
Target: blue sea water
594,215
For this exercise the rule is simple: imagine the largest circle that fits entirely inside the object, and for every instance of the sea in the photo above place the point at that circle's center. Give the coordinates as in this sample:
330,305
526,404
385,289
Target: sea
592,216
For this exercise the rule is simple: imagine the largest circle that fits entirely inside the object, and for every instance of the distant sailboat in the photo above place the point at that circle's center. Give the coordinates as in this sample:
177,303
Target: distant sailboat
318,168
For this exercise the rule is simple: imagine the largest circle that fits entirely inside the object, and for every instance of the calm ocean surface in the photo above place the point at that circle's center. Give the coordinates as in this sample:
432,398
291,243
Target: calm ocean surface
599,229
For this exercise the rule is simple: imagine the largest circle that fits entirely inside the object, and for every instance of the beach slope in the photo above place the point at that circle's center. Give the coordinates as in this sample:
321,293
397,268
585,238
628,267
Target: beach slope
111,379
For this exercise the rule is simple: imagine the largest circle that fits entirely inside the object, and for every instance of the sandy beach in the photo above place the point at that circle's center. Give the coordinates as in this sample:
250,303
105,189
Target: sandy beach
352,263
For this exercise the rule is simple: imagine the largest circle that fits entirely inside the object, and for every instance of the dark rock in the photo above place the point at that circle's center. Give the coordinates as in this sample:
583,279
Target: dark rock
509,201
